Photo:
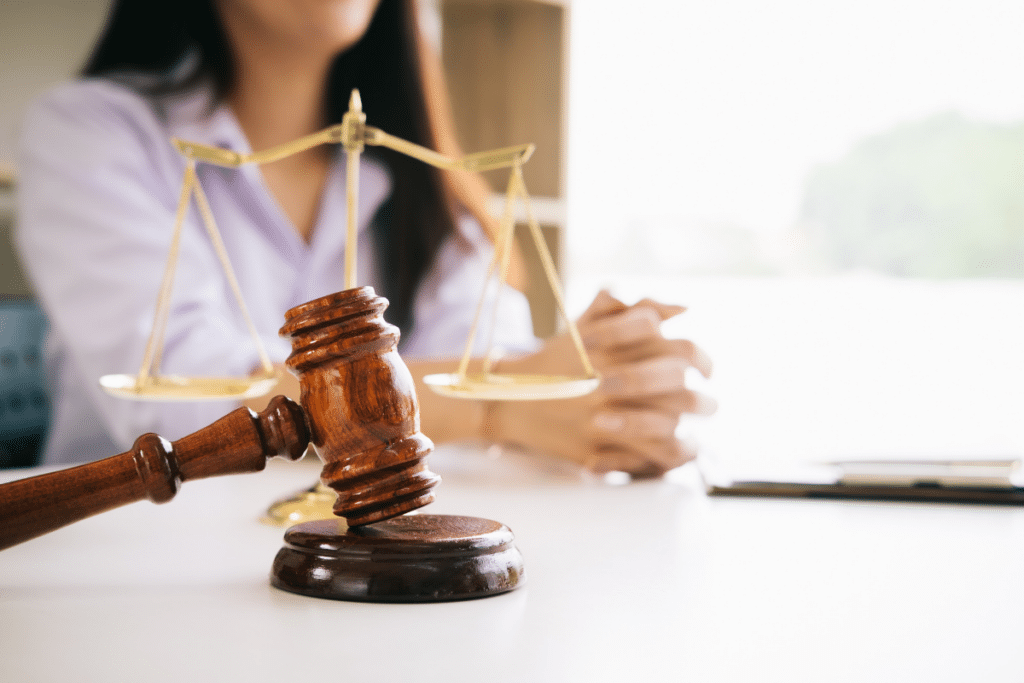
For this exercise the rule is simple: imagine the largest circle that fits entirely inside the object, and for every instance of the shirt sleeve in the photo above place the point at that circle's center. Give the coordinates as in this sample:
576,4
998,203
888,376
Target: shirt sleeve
98,190
447,301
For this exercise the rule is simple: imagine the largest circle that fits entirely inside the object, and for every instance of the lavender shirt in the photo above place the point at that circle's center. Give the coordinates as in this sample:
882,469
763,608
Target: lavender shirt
98,188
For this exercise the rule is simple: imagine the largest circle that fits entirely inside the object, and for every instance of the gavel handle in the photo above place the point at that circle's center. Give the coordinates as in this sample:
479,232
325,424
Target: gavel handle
242,441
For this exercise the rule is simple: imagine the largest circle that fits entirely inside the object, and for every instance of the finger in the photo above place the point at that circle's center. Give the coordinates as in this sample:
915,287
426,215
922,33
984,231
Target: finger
672,404
625,426
609,458
656,347
602,305
664,311
681,453
701,404
693,354
628,328
649,463
662,375
646,433
687,449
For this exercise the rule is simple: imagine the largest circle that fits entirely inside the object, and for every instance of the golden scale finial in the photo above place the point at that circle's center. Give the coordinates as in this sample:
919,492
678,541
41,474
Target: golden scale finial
353,134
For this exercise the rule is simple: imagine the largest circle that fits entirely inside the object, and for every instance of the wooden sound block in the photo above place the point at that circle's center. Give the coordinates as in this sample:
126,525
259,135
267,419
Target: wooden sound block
413,558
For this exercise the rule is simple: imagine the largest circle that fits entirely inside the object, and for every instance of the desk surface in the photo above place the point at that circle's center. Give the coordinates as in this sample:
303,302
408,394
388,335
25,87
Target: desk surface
674,586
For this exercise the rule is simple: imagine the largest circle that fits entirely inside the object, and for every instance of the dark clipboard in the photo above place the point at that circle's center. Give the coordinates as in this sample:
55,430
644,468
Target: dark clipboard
932,489
918,492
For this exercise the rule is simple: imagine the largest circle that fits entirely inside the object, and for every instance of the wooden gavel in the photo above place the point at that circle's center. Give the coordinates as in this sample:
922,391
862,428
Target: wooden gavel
358,410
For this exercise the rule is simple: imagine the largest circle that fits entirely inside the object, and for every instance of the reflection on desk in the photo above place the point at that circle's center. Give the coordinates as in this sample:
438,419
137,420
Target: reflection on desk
644,581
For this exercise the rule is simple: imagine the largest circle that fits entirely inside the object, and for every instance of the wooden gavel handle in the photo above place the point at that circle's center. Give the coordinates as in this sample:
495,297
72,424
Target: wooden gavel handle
241,441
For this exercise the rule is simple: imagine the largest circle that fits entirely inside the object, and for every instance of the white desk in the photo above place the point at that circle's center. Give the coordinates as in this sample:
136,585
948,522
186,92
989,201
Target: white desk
649,581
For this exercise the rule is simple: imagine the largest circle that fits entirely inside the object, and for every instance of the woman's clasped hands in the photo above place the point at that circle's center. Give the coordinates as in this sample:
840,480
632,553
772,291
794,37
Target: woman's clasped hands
629,422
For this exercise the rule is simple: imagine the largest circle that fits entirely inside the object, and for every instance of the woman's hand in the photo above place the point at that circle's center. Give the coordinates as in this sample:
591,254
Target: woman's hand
629,422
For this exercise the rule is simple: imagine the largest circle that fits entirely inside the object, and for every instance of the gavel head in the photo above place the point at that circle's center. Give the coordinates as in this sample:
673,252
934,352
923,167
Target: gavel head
360,403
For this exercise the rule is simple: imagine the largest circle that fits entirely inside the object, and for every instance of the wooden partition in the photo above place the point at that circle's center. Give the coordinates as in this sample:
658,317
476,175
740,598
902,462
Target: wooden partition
506,64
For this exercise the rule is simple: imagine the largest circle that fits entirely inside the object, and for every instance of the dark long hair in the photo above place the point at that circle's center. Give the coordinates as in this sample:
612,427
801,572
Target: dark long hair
162,37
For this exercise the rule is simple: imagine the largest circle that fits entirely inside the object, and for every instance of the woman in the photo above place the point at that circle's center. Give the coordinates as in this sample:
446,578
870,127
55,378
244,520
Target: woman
99,184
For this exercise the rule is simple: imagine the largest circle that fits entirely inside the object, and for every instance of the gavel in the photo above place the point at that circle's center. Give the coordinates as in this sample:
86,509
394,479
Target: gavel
357,408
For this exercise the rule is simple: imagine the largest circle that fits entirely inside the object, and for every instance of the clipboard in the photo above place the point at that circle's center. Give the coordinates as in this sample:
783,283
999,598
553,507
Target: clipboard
991,482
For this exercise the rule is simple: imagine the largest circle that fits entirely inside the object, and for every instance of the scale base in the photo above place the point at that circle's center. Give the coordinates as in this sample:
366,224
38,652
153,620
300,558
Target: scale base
413,558
316,502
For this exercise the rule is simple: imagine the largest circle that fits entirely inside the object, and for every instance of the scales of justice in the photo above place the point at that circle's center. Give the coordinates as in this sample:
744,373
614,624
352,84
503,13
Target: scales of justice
358,412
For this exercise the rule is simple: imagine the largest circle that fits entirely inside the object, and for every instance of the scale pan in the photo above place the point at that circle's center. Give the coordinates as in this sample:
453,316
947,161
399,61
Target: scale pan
178,388
498,387
316,502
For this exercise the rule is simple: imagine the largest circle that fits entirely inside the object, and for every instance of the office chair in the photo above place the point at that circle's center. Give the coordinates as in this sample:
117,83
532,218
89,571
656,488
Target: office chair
24,407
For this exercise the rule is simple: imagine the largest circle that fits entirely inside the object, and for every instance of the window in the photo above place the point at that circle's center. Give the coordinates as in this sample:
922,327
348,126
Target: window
837,192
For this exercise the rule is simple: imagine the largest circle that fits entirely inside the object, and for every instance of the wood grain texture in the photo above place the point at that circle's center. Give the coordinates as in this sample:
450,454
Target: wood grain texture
154,468
360,400
414,558
504,67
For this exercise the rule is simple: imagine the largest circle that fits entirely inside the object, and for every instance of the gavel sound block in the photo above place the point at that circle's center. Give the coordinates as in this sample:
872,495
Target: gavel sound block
359,413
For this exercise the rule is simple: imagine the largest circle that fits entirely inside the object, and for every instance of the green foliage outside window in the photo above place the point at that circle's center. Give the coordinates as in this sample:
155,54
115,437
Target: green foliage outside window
938,198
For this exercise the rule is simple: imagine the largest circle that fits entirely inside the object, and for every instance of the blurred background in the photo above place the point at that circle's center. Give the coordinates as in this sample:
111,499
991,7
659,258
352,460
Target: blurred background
835,190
